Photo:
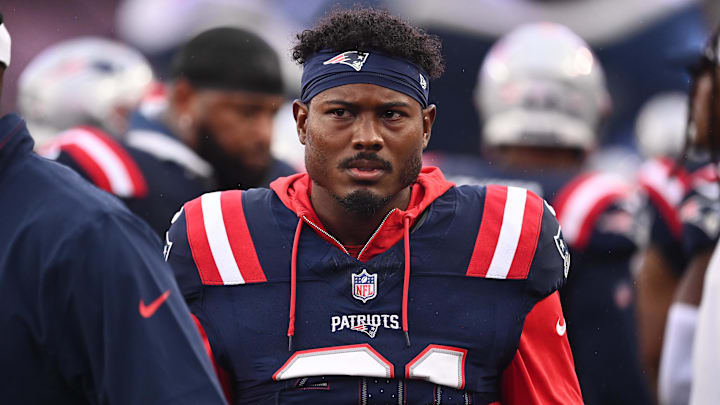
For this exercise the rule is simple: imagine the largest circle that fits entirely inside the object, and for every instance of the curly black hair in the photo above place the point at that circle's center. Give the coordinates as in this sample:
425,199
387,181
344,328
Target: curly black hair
369,29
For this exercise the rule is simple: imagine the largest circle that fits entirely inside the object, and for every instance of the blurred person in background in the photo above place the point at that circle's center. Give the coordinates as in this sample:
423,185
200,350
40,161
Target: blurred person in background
631,38
664,178
688,371
87,81
89,311
214,132
542,95
706,351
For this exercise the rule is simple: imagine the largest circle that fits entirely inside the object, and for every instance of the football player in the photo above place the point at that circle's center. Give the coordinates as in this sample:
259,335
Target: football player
89,312
214,134
370,279
706,355
542,95
700,215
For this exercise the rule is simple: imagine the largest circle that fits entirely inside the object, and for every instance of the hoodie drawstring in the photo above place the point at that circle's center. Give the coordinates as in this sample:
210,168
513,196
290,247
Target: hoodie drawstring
293,284
406,278
293,281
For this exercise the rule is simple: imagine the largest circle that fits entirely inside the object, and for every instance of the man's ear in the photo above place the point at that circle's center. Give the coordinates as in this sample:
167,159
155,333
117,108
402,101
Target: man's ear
300,112
428,120
181,96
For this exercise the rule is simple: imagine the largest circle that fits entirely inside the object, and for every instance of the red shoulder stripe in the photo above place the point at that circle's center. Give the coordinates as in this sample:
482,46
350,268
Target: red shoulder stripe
241,242
527,244
564,195
199,245
666,185
105,161
487,238
582,202
89,166
136,176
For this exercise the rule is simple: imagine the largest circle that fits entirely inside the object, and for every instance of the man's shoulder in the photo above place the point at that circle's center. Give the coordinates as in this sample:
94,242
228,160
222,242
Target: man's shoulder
101,158
48,193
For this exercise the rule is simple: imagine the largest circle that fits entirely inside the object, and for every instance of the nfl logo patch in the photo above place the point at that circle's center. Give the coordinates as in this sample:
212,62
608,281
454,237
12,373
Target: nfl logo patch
364,286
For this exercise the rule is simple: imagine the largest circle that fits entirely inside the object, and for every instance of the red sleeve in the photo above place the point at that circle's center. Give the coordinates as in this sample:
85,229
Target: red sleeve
542,371
222,375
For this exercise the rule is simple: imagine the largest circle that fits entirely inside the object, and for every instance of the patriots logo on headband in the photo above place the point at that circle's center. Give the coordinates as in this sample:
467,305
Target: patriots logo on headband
354,59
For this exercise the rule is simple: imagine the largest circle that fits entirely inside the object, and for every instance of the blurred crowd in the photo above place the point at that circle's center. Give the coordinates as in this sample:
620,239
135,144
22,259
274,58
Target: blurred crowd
602,107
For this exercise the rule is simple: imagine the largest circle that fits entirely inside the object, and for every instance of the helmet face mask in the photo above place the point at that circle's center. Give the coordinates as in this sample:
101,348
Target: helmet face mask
84,81
540,85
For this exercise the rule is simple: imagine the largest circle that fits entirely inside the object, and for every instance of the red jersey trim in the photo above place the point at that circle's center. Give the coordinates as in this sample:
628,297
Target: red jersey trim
581,202
220,240
508,234
542,371
105,161
666,185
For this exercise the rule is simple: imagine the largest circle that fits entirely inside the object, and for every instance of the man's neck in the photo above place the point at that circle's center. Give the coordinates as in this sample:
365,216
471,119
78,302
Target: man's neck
350,228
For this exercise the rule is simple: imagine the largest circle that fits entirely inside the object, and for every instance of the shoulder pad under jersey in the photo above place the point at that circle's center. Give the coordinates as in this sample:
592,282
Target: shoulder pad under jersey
665,183
219,239
584,200
519,238
100,158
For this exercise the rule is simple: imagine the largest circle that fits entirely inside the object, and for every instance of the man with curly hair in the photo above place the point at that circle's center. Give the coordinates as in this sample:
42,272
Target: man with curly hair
371,279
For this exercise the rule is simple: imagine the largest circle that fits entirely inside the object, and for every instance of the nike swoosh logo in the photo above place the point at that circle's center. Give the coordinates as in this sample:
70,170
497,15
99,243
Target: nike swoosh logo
560,329
146,311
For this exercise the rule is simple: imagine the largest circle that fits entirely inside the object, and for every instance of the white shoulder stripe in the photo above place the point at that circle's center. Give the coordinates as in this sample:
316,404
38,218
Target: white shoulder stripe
218,239
166,148
658,177
584,199
509,233
109,162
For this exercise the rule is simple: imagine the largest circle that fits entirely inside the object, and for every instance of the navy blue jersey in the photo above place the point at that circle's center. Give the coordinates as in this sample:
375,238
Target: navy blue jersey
89,312
669,187
250,262
602,224
150,169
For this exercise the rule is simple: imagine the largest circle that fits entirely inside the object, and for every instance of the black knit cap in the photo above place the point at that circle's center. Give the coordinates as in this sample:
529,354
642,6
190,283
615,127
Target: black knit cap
229,58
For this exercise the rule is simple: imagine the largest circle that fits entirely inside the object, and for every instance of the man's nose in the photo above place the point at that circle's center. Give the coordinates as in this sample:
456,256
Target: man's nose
367,135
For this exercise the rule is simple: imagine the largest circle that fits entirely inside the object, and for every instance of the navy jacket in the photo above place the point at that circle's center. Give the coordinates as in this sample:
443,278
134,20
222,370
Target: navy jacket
89,311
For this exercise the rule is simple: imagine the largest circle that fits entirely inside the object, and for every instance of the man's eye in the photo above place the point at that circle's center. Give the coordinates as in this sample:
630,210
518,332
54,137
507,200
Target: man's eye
391,114
340,112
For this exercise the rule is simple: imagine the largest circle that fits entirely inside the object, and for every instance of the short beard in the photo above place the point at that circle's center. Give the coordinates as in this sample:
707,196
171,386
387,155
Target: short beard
230,172
362,203
366,204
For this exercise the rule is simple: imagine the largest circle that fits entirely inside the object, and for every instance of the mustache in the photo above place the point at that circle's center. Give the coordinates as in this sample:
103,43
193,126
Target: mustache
371,157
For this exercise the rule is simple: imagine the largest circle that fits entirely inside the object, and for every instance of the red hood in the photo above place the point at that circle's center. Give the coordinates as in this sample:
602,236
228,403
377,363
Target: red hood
294,191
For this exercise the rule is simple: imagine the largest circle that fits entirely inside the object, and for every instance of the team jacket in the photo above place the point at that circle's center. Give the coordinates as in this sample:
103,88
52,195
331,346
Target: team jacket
603,224
89,311
150,169
452,301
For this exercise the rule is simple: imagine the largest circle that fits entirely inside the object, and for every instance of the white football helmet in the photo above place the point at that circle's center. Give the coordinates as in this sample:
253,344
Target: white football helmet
660,125
83,81
541,85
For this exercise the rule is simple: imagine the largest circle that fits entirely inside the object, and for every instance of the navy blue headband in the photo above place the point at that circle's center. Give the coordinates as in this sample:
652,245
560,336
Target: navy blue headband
327,69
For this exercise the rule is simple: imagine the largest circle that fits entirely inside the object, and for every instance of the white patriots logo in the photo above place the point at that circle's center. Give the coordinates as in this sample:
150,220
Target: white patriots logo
354,59
370,330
